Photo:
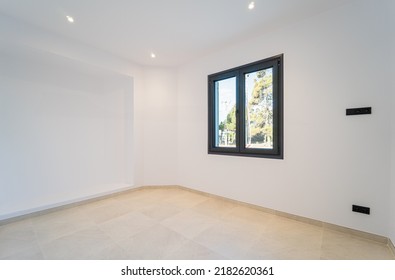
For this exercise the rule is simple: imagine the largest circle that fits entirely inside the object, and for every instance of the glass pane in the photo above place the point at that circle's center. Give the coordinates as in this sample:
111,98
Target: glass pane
225,113
259,109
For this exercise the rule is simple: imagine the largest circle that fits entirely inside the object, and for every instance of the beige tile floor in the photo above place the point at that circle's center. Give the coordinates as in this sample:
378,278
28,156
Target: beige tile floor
174,223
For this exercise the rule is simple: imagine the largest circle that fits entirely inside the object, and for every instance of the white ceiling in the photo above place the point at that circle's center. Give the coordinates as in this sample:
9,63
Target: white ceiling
175,30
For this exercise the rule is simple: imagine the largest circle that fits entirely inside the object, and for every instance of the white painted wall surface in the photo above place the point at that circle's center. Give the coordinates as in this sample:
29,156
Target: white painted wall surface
160,126
66,121
63,130
23,34
391,77
333,61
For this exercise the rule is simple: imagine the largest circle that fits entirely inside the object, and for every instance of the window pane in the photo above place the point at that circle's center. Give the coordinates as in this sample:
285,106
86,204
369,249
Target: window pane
259,109
225,113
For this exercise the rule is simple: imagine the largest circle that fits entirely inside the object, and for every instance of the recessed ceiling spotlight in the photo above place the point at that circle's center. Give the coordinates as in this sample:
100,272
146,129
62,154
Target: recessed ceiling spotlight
153,55
251,5
70,19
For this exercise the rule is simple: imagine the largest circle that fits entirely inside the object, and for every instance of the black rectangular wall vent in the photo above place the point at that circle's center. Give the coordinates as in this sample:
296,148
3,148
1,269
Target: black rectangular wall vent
361,209
359,111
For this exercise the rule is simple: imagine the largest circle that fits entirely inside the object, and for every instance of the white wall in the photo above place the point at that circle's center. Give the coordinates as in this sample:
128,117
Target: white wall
333,61
23,34
391,77
66,121
159,126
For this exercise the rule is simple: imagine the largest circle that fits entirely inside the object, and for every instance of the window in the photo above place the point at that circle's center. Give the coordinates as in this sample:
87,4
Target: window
246,110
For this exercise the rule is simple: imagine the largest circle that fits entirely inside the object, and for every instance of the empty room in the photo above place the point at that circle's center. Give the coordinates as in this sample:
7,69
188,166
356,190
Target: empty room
197,130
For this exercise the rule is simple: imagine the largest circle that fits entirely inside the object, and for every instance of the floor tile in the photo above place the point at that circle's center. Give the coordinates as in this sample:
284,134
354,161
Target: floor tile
55,225
173,223
193,251
110,252
186,200
12,247
127,225
229,240
336,245
155,243
161,211
20,230
86,244
189,223
31,253
216,208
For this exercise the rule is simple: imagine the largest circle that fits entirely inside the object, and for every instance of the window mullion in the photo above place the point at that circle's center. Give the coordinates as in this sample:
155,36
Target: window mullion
241,99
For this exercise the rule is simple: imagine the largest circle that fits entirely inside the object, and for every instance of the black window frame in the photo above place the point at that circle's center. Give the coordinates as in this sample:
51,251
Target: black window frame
277,63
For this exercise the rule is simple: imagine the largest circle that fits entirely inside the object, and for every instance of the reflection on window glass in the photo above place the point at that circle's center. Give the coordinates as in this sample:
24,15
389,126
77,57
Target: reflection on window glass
225,119
259,109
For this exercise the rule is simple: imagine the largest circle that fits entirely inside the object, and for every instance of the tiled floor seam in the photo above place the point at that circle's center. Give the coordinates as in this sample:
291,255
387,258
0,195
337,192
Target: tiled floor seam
38,243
